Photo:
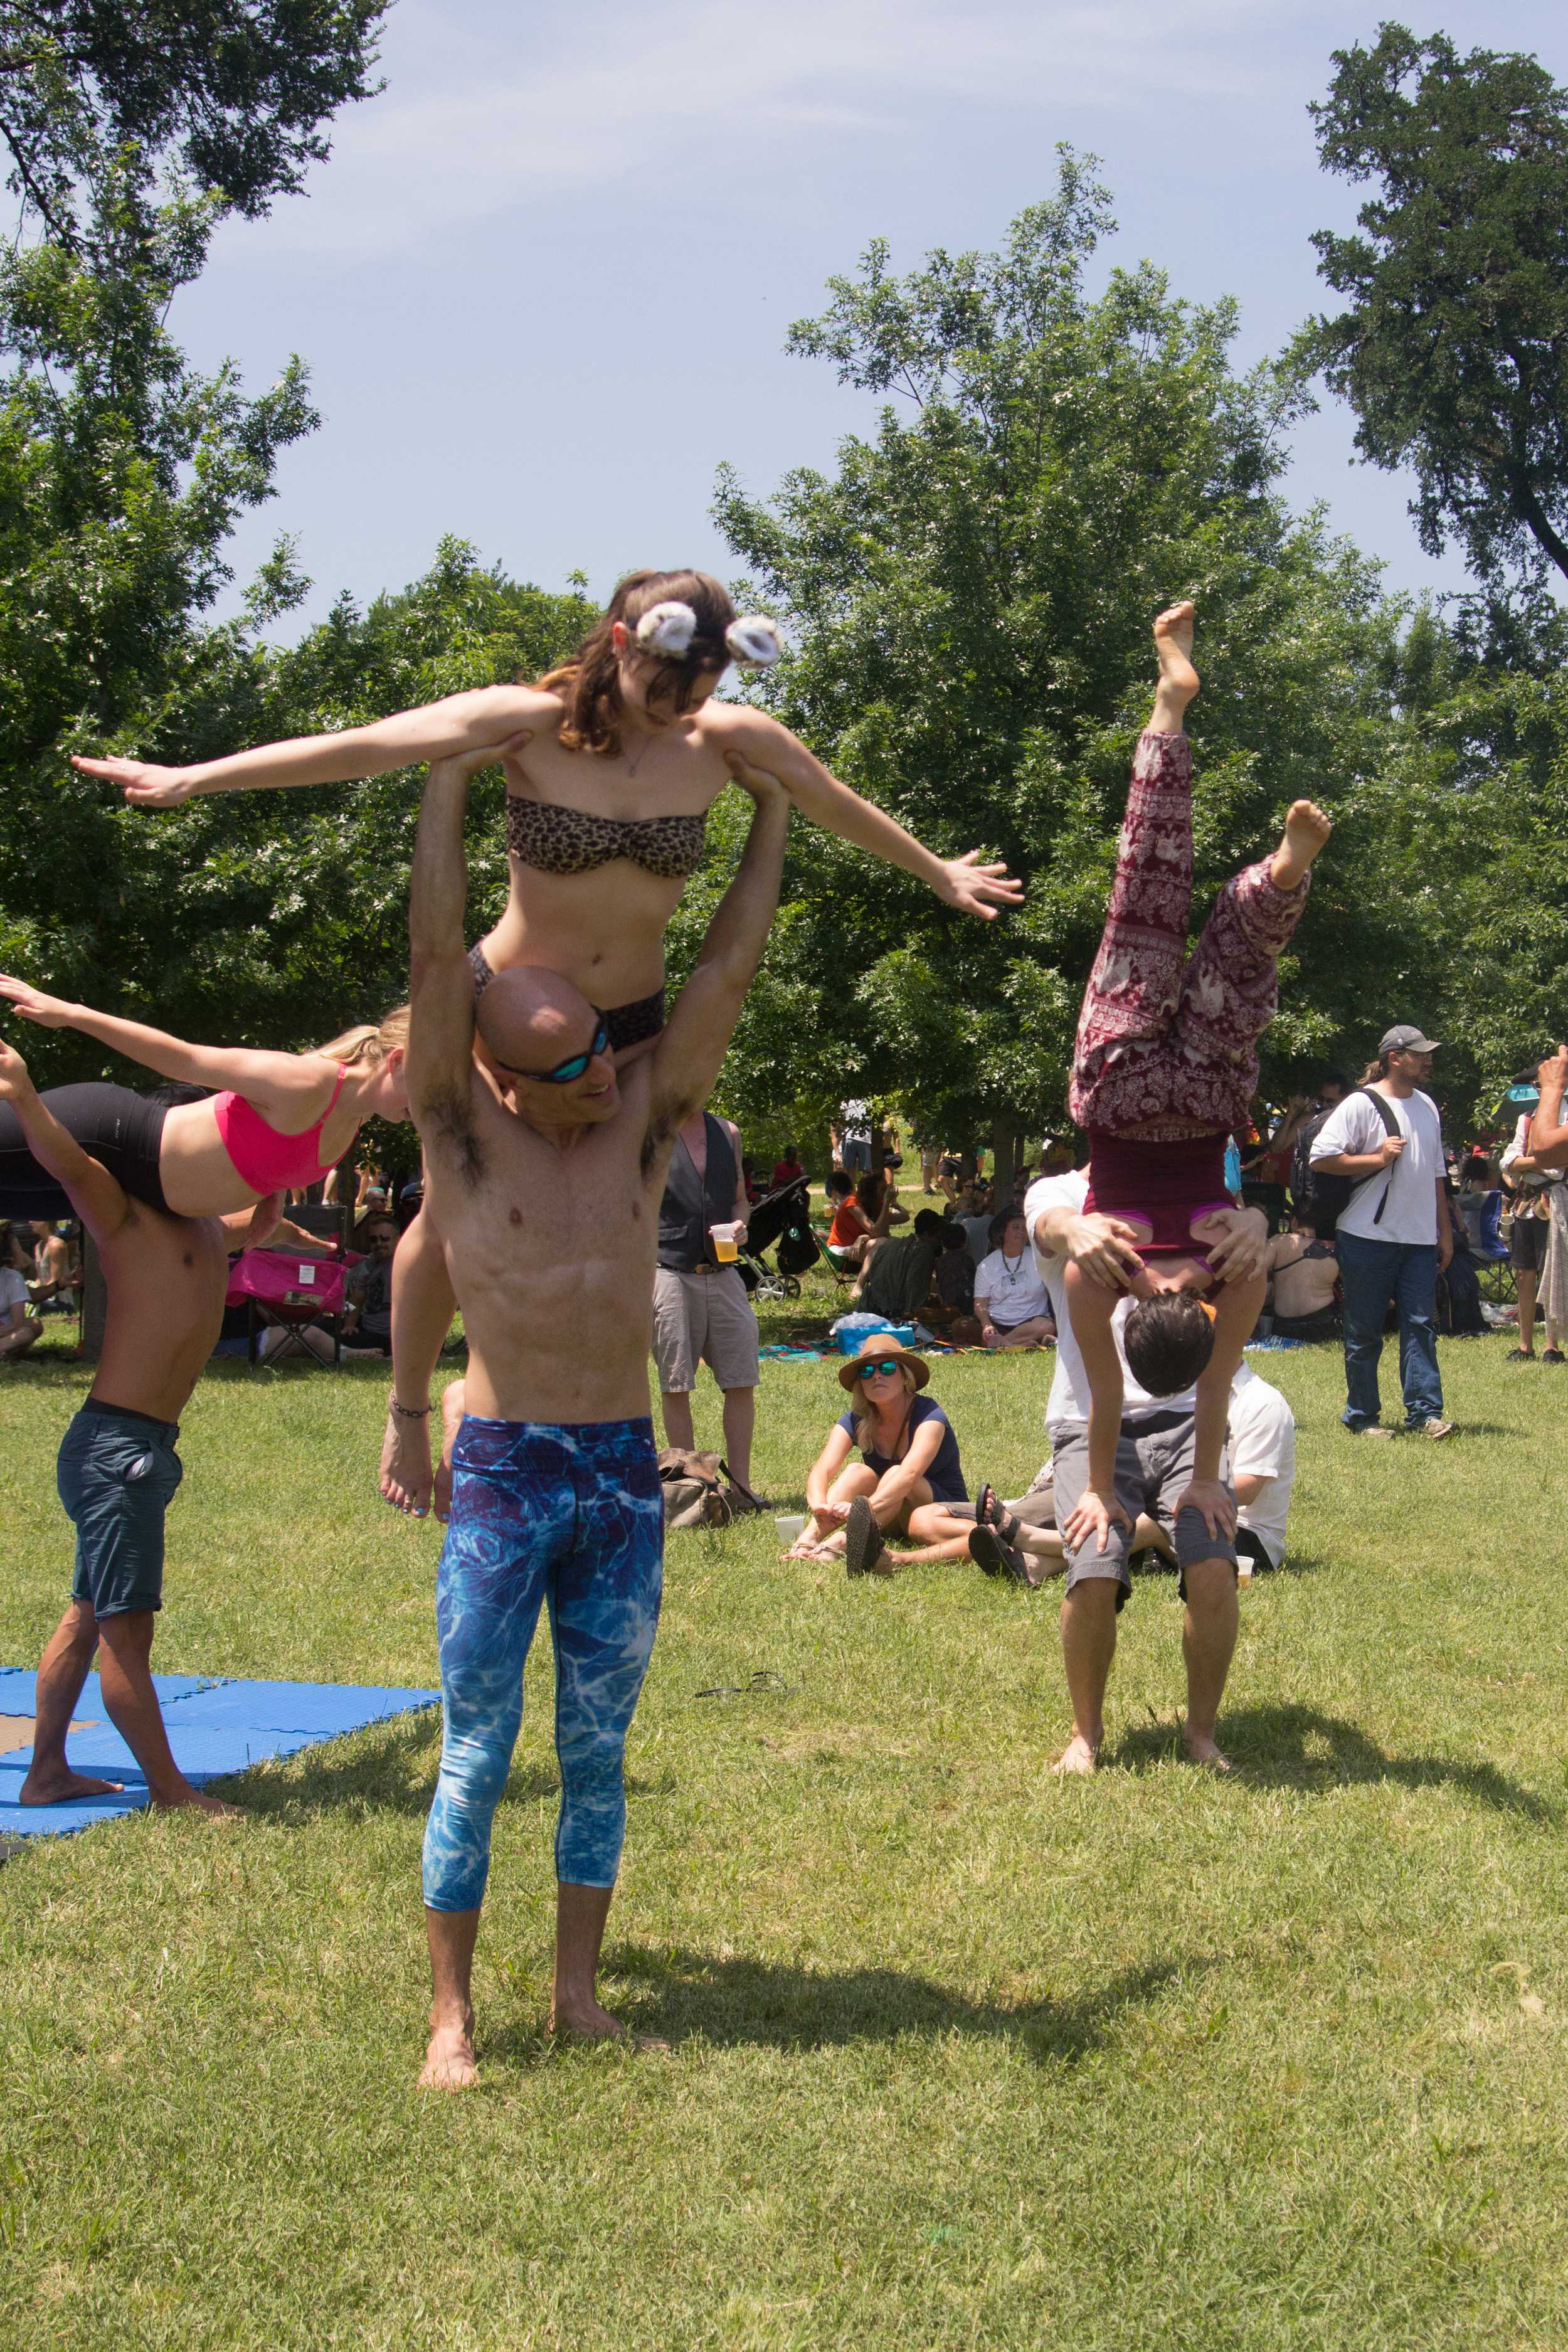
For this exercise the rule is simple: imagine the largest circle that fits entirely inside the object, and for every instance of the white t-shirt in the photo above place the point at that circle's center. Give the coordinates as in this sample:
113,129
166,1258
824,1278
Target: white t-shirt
1263,1446
1012,1289
13,1290
1410,1211
1068,1399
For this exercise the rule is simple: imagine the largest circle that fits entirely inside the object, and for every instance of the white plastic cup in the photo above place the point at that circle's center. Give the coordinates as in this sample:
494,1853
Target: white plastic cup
726,1242
791,1527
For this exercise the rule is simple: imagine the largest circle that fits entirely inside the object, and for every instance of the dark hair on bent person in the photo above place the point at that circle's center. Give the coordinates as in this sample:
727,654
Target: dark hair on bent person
589,684
928,1223
1169,1339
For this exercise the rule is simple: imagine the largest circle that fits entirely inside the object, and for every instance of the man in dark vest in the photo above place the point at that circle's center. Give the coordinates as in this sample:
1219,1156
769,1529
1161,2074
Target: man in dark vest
700,1310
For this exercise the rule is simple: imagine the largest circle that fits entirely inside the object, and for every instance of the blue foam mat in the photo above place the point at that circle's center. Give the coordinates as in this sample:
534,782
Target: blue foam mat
216,1726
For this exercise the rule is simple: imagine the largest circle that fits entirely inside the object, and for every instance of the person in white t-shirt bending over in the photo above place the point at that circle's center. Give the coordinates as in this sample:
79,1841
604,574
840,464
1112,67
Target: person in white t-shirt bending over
1394,1237
1009,1297
1262,1468
1155,1457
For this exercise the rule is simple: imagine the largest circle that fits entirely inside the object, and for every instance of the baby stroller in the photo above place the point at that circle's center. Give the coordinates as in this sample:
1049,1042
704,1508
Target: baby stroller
781,1221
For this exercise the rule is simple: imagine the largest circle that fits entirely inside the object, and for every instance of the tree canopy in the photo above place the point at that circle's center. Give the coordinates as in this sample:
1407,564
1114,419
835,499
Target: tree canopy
968,602
230,94
1453,345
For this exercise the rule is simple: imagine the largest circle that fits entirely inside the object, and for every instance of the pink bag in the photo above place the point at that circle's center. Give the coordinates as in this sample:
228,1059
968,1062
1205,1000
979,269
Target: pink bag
277,1277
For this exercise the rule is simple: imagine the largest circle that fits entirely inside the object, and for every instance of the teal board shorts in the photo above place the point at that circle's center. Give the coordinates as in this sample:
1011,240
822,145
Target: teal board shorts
118,1473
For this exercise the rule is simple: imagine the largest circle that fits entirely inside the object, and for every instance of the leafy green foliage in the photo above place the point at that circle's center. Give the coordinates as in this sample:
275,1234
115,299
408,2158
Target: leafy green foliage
968,603
230,94
1453,348
274,918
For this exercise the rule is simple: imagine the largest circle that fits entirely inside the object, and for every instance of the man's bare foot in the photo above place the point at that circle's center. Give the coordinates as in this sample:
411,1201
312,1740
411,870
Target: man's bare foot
64,1787
405,1462
1178,678
450,2063
1201,1750
454,1404
588,2022
1306,830
188,1800
1077,1756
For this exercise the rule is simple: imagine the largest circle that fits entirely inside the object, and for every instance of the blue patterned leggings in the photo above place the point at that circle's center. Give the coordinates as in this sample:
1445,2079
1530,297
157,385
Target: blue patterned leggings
570,1515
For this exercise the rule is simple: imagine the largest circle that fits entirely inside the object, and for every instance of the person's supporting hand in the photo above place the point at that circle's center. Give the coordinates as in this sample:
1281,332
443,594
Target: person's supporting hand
988,1333
1235,1241
829,1516
1105,1248
977,889
143,785
1214,1501
48,1012
1094,1515
16,1080
760,782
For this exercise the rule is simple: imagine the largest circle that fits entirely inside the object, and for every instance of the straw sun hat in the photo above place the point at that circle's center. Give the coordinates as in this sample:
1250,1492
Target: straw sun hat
874,1347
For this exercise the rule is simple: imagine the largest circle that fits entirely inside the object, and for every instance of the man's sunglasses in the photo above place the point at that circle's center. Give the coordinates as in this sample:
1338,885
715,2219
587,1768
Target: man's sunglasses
564,1071
879,1368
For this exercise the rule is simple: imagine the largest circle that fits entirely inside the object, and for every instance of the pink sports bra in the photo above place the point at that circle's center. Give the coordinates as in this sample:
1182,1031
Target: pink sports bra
266,1161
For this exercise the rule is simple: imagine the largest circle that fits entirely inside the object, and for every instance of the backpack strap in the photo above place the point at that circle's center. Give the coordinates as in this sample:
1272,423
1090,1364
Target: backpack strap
1391,1126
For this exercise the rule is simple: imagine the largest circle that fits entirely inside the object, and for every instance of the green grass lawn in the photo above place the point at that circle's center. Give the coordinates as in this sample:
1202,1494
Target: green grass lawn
962,2055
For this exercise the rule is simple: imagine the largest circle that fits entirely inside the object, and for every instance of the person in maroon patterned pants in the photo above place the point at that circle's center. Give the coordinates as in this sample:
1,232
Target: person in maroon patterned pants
1166,1064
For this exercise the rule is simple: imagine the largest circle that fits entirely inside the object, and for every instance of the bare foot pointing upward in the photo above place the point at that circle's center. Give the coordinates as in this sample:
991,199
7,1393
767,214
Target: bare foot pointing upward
1306,830
1178,678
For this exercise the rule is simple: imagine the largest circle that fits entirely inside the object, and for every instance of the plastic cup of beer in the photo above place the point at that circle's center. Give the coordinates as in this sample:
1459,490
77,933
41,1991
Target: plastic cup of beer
726,1247
791,1526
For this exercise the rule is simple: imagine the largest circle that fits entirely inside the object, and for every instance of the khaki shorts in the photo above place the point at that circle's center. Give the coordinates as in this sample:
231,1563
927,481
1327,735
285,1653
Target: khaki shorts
1153,1464
703,1317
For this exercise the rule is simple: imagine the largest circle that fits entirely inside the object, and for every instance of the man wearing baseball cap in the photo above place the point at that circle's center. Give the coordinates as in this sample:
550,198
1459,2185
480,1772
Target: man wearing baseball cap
1394,1237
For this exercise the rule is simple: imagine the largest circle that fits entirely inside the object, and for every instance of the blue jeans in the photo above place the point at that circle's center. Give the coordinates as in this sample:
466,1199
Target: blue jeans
1372,1273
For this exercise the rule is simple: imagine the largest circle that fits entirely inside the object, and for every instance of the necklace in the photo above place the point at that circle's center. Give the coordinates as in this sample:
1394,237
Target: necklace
1013,1269
633,765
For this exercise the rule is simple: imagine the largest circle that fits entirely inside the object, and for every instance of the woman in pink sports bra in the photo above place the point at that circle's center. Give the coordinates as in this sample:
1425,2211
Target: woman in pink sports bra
278,1122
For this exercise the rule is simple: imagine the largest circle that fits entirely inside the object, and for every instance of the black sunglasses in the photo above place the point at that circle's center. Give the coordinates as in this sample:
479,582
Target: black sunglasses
879,1368
564,1071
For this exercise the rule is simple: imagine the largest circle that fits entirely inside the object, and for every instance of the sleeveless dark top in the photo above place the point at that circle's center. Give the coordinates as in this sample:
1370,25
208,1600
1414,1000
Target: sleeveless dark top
558,840
690,1206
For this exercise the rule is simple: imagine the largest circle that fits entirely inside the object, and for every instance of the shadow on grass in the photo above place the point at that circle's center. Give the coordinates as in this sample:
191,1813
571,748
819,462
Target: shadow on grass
1301,1747
774,2004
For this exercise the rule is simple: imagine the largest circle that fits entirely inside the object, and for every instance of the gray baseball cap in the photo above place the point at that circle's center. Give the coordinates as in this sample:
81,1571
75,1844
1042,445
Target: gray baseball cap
1405,1039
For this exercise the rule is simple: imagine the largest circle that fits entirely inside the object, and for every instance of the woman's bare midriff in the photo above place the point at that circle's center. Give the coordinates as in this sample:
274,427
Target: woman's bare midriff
603,930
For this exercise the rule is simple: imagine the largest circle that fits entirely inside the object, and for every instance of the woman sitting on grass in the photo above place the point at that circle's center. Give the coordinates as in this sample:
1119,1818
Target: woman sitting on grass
909,1471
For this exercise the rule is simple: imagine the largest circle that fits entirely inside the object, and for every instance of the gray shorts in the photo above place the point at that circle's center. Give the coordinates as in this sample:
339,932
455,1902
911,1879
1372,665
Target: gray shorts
1153,1463
703,1317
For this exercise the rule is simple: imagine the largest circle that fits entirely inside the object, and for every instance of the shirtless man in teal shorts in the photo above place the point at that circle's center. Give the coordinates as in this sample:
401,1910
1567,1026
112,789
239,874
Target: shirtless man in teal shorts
544,1170
166,1278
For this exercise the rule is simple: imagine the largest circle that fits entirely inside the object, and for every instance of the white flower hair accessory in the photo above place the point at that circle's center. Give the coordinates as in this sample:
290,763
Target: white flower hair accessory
753,640
667,630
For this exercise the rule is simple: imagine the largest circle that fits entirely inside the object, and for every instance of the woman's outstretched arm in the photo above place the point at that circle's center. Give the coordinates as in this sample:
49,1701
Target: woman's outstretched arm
439,731
263,1076
978,889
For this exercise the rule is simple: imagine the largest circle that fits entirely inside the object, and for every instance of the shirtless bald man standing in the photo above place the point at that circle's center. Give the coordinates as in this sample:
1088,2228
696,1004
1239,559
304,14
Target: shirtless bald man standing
544,1170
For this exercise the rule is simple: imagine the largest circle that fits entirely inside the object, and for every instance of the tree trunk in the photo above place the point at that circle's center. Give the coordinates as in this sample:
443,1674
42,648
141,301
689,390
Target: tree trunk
1003,1153
94,1299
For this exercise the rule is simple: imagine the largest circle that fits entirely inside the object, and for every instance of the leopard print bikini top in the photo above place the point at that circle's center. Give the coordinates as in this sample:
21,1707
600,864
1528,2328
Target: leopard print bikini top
570,841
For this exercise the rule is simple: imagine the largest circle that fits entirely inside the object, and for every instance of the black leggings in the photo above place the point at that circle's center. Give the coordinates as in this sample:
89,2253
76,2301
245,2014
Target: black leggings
119,1129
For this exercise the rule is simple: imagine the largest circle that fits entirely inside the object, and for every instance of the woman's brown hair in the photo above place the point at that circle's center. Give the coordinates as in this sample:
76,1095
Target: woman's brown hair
589,684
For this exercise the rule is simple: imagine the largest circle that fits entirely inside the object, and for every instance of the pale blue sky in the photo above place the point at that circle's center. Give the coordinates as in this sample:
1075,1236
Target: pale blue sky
544,283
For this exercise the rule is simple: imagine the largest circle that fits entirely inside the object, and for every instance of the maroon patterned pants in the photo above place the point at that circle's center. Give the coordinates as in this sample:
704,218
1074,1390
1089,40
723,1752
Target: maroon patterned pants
1168,1046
